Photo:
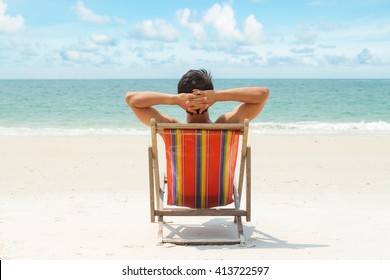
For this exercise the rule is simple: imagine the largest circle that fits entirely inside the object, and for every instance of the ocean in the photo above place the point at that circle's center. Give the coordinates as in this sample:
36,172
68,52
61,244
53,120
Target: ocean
97,107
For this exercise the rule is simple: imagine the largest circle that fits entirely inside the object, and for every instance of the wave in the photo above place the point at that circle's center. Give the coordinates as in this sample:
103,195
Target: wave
364,128
26,131
267,128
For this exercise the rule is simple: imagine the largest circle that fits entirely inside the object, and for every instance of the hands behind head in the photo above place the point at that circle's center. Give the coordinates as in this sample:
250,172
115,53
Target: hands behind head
198,101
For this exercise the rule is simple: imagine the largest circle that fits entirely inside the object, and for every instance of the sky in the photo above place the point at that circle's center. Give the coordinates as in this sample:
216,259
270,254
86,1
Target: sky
70,39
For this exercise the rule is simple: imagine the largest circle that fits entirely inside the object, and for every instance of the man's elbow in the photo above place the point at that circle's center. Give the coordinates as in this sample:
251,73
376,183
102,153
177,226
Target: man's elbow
129,98
263,94
266,93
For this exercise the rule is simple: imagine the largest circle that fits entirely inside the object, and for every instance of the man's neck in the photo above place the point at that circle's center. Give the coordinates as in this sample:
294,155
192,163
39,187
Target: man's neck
198,118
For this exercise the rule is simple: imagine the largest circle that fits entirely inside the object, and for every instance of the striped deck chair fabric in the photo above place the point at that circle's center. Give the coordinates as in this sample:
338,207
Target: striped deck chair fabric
200,166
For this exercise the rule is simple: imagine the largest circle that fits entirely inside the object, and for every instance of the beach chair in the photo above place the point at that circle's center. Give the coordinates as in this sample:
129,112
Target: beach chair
200,176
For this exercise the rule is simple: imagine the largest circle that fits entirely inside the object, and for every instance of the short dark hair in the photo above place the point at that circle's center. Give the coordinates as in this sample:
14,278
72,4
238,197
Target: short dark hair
195,79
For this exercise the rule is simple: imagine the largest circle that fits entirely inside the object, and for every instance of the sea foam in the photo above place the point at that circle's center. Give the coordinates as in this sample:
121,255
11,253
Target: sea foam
267,128
25,131
322,128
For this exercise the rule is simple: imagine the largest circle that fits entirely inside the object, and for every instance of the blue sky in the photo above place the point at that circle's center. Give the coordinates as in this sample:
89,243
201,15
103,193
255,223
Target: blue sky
163,39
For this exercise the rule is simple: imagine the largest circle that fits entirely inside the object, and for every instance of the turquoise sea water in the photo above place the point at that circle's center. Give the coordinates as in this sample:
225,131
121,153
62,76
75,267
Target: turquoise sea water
88,107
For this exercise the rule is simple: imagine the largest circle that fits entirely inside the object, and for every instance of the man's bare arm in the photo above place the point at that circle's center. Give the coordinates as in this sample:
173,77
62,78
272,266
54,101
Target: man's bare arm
252,101
142,105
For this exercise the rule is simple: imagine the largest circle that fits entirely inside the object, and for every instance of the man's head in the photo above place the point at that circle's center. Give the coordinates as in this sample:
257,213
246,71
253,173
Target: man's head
195,79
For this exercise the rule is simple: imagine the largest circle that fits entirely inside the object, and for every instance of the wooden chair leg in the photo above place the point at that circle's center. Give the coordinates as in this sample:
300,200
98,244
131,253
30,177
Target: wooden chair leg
240,231
248,183
151,185
160,230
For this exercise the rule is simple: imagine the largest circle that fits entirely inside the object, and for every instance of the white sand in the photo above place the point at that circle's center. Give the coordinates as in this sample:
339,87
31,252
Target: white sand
314,197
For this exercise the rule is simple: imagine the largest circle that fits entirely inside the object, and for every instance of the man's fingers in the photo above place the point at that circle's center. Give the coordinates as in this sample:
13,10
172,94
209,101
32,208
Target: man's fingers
196,97
197,101
204,109
197,108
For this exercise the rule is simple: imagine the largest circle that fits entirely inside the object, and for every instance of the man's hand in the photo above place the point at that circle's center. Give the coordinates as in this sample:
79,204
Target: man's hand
181,100
192,103
204,99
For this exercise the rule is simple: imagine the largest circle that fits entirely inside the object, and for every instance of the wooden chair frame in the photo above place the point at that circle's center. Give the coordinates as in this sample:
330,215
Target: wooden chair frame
157,186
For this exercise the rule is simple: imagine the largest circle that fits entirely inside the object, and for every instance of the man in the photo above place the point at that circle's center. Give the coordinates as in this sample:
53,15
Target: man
196,95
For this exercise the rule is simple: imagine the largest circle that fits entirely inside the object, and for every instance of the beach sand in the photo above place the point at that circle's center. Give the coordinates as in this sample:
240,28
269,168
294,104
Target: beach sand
314,197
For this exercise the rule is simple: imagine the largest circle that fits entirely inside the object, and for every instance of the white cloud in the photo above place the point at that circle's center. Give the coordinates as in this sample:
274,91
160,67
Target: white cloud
326,46
71,55
96,49
337,59
306,37
277,60
303,50
366,56
196,27
87,15
103,40
119,21
252,30
157,29
222,19
77,55
9,24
